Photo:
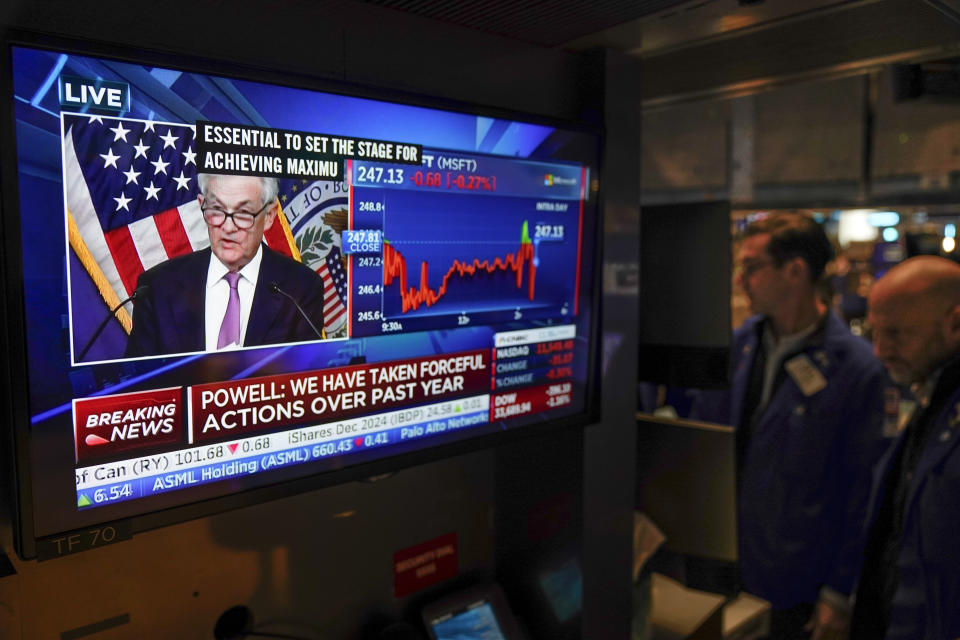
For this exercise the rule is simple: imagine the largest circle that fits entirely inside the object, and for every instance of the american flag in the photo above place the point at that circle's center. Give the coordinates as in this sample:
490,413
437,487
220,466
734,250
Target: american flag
335,292
131,197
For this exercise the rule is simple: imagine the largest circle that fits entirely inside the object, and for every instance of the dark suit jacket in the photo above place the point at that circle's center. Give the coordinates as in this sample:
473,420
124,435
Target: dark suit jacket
168,314
804,467
926,601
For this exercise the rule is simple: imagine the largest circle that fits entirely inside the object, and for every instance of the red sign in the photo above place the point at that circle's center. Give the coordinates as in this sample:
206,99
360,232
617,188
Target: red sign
107,425
425,564
231,409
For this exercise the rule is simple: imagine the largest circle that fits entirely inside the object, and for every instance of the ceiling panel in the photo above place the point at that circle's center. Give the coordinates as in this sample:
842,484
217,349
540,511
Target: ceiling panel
546,23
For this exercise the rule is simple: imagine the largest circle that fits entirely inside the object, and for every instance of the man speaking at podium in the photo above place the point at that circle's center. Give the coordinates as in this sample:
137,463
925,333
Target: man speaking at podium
238,292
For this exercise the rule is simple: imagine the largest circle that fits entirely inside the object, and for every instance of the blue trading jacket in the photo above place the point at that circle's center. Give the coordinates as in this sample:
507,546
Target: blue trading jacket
805,475
927,601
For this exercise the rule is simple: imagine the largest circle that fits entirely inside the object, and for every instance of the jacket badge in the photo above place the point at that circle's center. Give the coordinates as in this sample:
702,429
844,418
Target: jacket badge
821,357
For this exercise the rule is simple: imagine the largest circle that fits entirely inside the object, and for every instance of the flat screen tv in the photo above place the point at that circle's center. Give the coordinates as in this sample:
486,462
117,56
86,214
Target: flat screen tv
223,285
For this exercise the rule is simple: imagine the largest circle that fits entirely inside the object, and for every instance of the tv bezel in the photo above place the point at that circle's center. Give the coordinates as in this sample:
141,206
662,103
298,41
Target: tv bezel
16,443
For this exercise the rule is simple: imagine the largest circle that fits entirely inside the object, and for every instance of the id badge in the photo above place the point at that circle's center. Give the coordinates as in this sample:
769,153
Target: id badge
805,374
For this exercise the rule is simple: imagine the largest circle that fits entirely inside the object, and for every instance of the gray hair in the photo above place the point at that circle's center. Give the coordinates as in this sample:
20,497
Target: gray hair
269,187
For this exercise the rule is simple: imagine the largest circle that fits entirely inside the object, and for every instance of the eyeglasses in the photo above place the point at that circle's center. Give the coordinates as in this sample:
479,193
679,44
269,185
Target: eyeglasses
749,267
216,217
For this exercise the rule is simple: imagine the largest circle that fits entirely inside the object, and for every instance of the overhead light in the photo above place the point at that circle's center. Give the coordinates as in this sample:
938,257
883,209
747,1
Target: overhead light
948,244
855,227
890,234
949,230
883,218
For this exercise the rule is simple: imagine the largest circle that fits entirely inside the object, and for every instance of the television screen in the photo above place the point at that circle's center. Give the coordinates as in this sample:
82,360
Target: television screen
223,289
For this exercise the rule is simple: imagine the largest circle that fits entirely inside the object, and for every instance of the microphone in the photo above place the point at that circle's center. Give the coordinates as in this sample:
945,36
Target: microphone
139,291
274,287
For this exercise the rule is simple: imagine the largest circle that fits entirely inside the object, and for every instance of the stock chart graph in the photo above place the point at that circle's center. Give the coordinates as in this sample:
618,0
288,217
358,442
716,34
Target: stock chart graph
461,250
412,298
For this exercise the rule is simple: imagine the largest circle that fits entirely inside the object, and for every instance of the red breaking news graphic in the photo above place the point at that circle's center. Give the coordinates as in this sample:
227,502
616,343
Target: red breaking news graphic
108,425
230,409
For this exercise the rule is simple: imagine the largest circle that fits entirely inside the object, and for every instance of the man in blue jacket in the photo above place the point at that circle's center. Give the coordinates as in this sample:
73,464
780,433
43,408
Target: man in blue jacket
910,586
807,403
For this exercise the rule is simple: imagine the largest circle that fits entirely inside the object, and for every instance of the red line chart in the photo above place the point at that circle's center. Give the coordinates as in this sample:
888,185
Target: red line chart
395,266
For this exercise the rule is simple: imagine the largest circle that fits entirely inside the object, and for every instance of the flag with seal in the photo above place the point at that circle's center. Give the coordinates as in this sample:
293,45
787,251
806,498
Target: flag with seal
318,214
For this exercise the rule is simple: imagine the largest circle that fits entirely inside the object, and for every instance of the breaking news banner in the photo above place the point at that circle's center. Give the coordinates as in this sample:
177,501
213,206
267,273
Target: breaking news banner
227,410
283,153
110,425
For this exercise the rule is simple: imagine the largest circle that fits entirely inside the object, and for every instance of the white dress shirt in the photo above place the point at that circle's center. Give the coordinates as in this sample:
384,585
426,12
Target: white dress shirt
218,294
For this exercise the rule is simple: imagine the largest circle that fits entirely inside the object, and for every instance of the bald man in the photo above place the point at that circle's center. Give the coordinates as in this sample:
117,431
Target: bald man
910,585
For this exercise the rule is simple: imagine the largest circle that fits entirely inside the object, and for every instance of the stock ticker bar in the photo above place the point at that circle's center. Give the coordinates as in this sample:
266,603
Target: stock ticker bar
160,473
240,428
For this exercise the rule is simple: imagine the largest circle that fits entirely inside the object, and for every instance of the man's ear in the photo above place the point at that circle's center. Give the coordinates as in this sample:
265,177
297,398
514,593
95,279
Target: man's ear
271,215
951,326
